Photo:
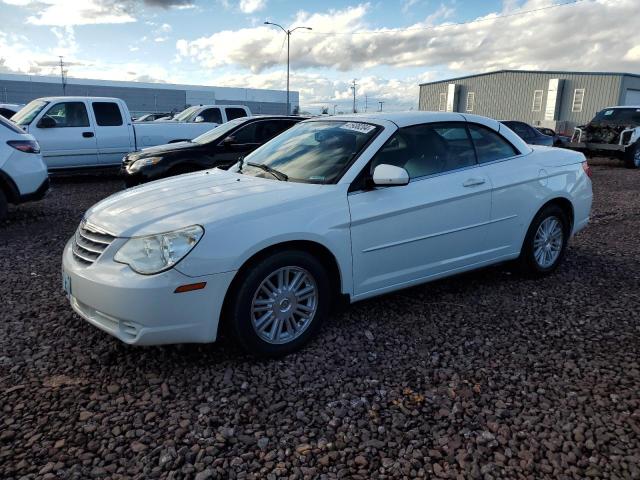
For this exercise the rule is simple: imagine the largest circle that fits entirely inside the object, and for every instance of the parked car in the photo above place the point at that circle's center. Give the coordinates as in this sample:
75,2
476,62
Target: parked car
8,110
528,133
152,117
221,147
86,132
23,174
210,114
614,131
350,206
558,140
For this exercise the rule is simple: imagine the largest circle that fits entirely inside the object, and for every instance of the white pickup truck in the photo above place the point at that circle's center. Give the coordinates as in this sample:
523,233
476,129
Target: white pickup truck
84,132
210,114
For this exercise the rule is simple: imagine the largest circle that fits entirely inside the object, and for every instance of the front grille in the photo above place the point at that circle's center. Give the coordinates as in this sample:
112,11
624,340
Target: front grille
89,243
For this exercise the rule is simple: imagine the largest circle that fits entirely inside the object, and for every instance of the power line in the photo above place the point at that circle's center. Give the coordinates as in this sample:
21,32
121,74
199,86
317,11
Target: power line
455,24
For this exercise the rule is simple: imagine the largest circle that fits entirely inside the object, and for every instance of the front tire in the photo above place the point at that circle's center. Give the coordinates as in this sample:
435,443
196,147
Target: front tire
280,303
632,156
546,242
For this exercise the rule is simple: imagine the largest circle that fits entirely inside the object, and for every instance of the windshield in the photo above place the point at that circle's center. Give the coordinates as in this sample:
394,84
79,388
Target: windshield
219,132
311,152
29,112
619,115
185,114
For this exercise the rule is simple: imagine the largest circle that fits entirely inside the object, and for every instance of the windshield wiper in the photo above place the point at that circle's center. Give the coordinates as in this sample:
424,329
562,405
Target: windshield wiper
276,173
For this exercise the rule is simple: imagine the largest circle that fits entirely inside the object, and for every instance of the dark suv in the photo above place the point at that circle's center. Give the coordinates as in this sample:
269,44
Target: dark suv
221,147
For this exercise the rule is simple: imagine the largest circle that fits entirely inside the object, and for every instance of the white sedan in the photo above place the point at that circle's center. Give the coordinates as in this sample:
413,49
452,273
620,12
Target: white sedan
352,207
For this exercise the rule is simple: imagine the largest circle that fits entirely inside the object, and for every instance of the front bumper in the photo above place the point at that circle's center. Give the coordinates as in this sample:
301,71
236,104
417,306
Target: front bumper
602,147
143,309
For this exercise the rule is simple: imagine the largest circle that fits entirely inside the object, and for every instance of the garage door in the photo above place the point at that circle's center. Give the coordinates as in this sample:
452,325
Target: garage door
632,97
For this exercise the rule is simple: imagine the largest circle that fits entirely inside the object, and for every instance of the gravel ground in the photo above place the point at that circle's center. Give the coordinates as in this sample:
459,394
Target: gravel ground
485,375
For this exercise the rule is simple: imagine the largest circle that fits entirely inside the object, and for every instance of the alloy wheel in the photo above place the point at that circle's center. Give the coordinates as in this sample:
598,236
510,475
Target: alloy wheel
548,242
284,305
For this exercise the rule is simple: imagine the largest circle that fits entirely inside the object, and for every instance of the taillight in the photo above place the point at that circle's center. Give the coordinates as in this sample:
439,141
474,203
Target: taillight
587,169
26,146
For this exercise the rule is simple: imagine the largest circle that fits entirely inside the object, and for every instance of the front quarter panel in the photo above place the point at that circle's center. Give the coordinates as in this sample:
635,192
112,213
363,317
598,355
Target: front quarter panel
321,217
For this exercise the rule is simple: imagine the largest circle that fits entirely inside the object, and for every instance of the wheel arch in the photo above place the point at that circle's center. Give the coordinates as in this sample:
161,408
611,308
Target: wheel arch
9,188
318,250
564,203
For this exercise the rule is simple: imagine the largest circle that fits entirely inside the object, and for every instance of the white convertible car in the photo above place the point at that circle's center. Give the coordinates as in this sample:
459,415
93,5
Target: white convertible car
353,206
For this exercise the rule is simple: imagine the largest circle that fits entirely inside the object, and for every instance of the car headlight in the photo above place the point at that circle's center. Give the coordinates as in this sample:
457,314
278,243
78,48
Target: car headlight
157,253
143,162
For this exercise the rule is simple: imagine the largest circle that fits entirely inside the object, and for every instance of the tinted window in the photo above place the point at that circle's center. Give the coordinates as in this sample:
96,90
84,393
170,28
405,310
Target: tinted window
248,133
273,128
6,113
69,114
428,149
490,145
212,115
107,114
521,129
233,113
619,116
10,125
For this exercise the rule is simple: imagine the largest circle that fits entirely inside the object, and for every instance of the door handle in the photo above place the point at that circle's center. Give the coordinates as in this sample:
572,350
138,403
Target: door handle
87,134
472,182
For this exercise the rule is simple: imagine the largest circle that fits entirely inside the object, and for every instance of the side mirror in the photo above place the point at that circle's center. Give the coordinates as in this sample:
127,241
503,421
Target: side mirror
199,119
390,175
46,122
228,141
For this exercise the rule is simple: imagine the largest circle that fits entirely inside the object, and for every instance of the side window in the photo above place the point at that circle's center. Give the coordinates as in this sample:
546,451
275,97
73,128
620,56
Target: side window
520,129
249,133
273,128
233,113
6,113
69,114
107,114
212,115
428,149
490,146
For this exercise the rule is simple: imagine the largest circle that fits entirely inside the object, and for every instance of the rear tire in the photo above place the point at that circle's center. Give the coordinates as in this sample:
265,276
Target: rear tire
279,303
4,208
632,156
546,242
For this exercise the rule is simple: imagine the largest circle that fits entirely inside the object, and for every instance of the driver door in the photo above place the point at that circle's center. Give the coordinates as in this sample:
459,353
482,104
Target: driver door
435,225
71,140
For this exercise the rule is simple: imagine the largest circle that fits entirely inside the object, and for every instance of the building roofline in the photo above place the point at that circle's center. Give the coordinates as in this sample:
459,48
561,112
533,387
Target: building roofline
544,72
17,77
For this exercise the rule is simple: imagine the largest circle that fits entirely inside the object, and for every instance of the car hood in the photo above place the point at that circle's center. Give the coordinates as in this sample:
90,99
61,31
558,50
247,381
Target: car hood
168,148
202,198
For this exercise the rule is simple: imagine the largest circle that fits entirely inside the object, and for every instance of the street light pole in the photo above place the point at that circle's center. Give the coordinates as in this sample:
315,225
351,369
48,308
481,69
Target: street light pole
288,33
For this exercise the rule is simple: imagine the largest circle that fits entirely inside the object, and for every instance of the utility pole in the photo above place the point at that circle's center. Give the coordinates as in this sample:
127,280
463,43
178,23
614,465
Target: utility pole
63,77
365,103
353,87
288,32
380,105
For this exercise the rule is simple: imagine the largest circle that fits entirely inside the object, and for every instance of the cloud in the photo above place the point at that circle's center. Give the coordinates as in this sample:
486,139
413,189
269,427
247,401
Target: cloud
316,90
585,36
252,6
88,12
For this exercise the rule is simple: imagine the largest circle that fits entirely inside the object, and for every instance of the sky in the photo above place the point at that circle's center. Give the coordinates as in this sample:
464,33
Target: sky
389,46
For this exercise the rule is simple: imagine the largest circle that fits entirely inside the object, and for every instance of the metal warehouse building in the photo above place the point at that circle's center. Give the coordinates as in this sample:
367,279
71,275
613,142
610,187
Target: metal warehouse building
558,100
145,97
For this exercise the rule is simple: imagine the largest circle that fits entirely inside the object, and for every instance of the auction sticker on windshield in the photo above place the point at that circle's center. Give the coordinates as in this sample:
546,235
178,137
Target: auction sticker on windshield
358,127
